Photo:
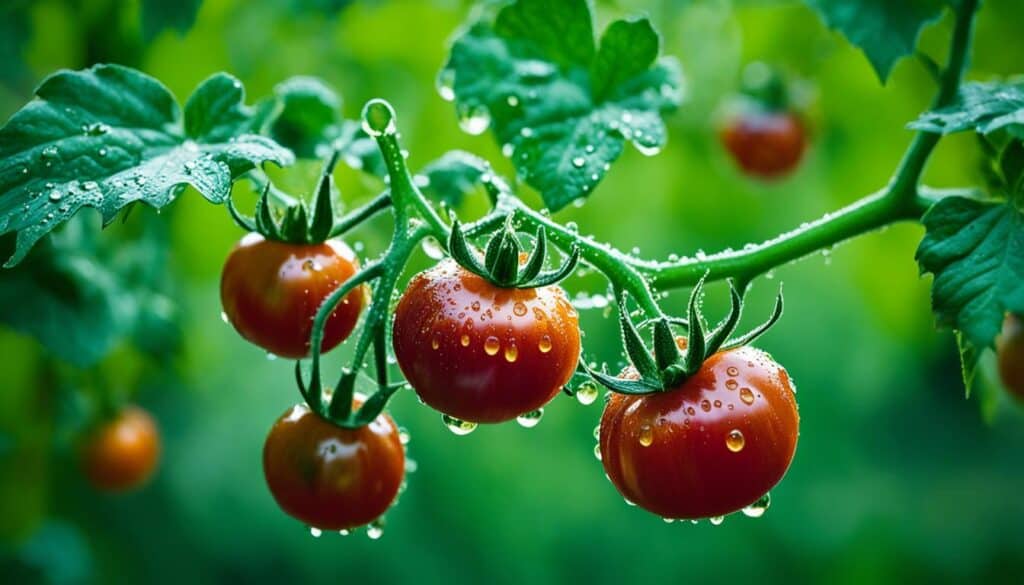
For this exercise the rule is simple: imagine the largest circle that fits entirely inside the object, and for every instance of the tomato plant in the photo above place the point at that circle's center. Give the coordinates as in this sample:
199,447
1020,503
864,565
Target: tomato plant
692,430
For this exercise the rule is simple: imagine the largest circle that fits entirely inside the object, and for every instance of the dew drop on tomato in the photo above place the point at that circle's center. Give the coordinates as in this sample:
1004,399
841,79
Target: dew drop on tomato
530,419
492,345
544,345
758,508
735,441
458,427
646,436
746,396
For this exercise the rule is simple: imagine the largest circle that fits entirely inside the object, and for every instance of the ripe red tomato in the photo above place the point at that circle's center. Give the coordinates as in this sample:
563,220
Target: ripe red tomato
1010,350
710,447
271,291
329,477
482,353
122,453
765,144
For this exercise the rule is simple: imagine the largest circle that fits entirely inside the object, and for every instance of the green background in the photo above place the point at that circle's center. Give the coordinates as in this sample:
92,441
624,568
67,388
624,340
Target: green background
897,478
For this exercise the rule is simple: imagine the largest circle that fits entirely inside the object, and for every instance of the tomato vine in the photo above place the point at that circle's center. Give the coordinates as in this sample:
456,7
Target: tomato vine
563,103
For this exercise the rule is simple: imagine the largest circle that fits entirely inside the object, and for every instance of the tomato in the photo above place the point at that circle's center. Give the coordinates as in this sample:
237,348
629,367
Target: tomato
122,453
481,353
271,291
1010,351
712,446
329,477
765,144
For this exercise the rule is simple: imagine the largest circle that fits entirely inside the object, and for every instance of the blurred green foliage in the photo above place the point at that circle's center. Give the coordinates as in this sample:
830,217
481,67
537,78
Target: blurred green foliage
896,478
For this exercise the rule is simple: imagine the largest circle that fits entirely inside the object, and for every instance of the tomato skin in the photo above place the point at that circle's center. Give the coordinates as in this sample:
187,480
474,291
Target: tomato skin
270,292
329,477
121,454
765,144
482,353
1010,353
687,469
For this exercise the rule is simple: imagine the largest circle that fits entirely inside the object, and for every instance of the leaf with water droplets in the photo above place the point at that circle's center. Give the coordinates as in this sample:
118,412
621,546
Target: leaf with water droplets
975,250
453,176
576,102
51,164
982,107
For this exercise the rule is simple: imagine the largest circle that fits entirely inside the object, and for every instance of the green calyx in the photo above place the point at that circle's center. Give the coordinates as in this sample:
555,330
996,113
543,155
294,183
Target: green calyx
766,86
292,220
667,366
501,265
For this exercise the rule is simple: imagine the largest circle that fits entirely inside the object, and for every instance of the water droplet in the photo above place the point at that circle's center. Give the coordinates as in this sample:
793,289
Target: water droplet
519,308
446,84
705,405
56,195
758,508
435,342
597,451
586,393
50,152
95,129
746,395
512,101
731,384
578,162
646,436
464,340
647,149
379,119
734,441
315,532
344,532
375,529
271,357
432,249
511,353
474,120
311,265
89,186
459,427
403,436
530,419
669,520
491,345
224,317
544,345
716,520
526,132
732,371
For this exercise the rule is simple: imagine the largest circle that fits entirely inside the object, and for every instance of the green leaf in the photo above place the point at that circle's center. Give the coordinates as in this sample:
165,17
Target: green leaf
158,15
561,105
304,115
886,30
452,177
969,357
216,111
80,297
110,136
975,250
982,107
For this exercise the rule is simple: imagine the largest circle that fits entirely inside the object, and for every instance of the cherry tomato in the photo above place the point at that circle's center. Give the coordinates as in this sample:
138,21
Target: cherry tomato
712,446
271,291
122,453
329,477
481,353
765,144
1010,351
